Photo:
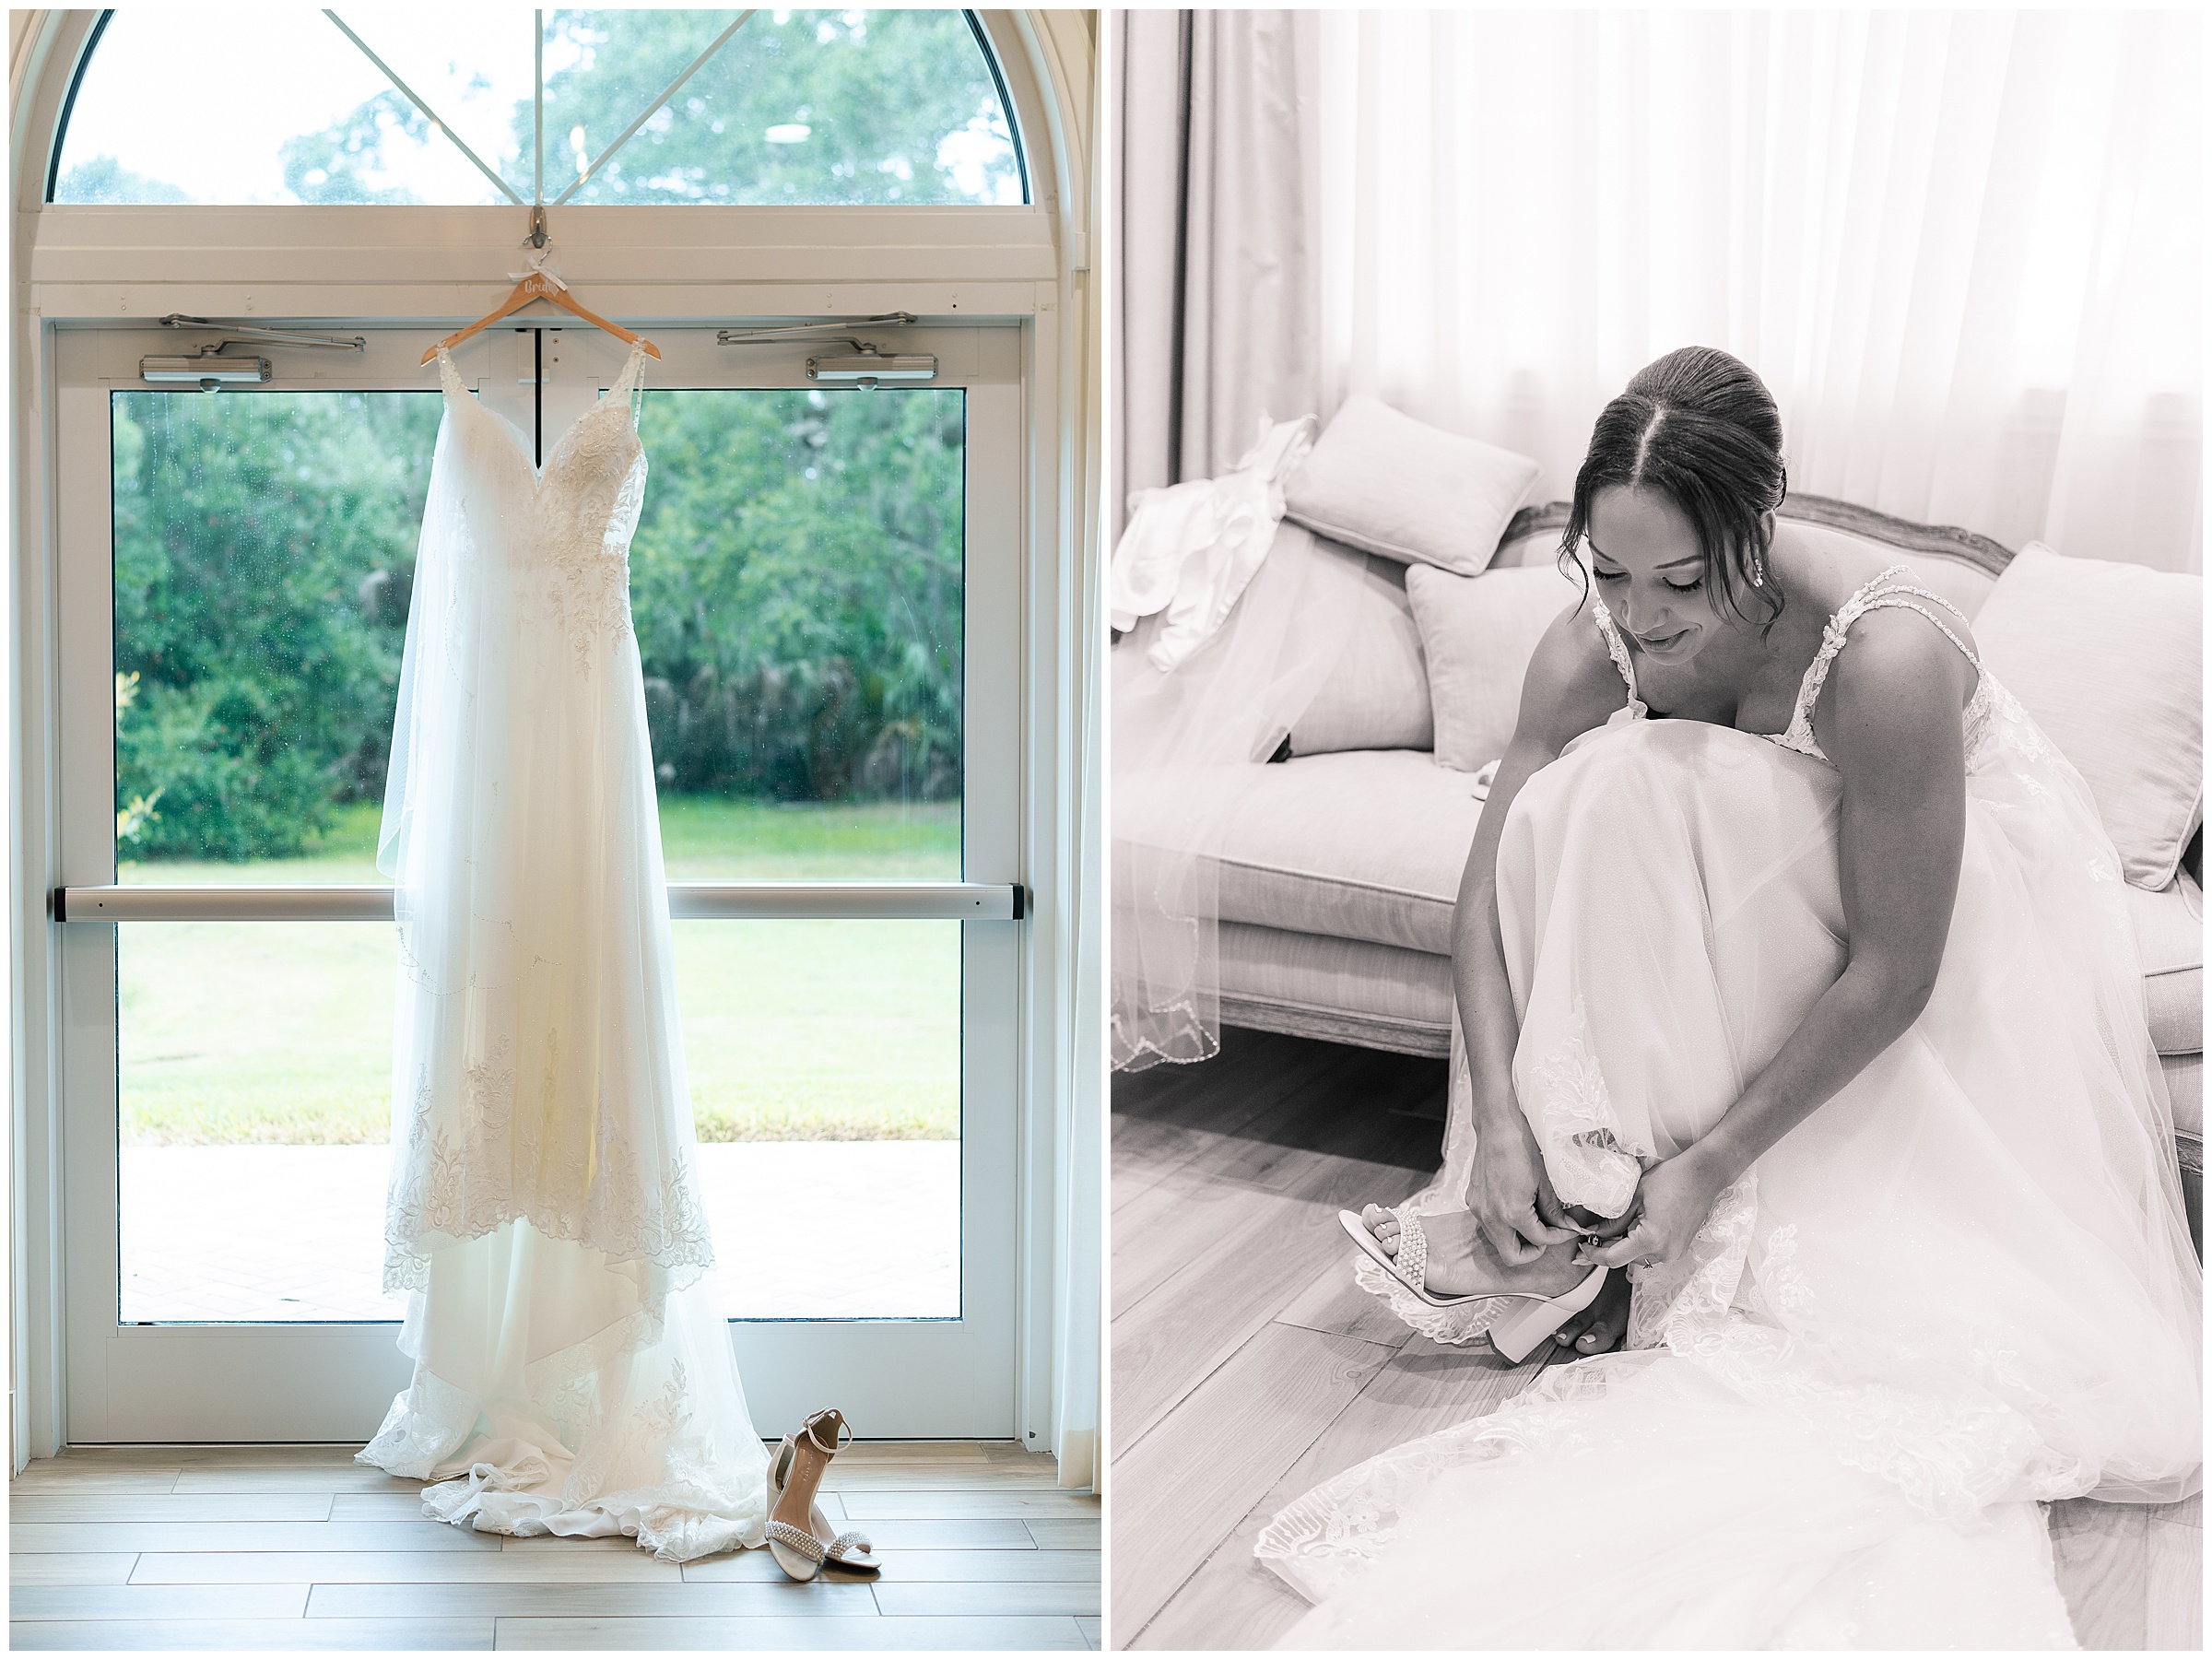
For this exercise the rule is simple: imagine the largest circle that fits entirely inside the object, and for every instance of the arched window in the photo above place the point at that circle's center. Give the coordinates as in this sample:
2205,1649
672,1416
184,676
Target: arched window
392,105
855,606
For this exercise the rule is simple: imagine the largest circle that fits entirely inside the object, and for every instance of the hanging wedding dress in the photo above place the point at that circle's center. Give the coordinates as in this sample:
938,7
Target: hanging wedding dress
572,1368
1961,1286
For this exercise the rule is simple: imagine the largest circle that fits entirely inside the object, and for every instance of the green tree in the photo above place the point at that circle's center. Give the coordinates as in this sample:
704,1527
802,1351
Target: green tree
802,107
261,546
335,164
797,586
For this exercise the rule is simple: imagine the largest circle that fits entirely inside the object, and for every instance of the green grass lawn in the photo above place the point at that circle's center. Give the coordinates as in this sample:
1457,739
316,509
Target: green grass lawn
793,1031
704,838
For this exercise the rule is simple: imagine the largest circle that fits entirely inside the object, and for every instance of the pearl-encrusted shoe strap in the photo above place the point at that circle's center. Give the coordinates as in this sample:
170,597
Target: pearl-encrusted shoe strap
796,1538
1413,1248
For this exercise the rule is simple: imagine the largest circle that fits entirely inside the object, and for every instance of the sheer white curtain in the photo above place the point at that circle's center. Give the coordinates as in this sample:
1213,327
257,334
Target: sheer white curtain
1964,248
1213,229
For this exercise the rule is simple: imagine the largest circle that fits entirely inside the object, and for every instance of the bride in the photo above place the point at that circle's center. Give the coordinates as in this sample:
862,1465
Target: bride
1806,1052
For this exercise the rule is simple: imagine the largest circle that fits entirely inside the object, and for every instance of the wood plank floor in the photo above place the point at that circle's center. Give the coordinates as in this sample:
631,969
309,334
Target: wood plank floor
300,1547
1247,1367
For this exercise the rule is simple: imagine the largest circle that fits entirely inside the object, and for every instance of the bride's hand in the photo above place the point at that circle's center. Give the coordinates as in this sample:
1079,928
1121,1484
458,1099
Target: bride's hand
1672,1202
1511,1196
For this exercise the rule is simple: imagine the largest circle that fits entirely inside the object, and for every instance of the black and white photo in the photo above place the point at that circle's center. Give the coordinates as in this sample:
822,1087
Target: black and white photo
1656,838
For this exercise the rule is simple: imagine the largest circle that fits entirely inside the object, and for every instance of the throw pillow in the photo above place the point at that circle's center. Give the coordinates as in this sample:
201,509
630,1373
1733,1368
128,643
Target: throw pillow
2109,661
1377,696
1479,633
1388,484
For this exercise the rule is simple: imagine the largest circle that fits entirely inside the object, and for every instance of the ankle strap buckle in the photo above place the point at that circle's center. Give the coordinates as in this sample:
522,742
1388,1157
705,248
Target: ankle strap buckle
839,1437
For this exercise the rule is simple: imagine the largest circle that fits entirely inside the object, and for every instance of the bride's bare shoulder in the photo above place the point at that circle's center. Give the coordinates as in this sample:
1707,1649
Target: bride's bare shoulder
1572,682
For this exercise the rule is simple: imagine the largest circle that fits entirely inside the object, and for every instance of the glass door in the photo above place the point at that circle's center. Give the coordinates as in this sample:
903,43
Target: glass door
824,588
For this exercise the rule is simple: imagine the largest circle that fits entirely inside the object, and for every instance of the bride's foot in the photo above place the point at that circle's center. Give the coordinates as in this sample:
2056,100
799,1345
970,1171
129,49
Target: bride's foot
1599,1328
1462,1262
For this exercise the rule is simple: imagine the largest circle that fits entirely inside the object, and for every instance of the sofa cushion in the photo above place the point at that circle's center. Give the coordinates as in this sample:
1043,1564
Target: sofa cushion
1345,991
1479,633
2170,938
1386,483
2108,659
1377,696
1366,844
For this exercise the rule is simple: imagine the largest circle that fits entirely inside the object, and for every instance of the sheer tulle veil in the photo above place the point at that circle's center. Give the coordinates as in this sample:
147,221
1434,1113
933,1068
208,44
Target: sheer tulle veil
1184,743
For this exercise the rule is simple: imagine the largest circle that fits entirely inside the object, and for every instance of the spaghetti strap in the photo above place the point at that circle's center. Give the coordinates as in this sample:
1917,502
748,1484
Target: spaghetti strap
1617,649
1894,597
630,383
627,380
449,376
1883,592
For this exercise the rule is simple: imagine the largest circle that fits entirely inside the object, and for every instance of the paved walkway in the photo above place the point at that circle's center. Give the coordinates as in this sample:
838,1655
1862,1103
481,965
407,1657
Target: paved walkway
265,1234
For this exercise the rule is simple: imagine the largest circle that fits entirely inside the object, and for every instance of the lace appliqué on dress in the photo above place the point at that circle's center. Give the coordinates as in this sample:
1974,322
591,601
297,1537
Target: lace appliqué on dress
1343,1525
424,1424
594,1195
1952,1451
578,584
1591,1162
586,591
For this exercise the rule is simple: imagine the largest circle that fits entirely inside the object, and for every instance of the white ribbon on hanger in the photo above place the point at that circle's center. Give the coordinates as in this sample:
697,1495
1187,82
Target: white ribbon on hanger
535,260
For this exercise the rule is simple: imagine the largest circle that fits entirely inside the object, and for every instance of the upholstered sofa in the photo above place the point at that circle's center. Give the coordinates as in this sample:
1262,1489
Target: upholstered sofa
1338,869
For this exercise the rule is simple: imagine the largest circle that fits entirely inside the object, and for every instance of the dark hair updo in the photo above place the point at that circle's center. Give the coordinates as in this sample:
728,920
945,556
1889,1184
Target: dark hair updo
1699,428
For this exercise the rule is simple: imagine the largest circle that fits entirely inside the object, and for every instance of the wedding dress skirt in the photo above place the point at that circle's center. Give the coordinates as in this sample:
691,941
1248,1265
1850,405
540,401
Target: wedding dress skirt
573,1371
1962,1286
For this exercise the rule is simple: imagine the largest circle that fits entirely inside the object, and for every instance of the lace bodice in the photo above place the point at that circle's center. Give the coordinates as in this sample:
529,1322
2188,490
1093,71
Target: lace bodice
572,520
592,485
1892,588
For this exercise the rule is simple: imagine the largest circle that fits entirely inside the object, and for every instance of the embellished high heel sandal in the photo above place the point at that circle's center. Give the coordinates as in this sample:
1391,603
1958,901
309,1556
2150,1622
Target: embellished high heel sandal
1518,1321
798,1533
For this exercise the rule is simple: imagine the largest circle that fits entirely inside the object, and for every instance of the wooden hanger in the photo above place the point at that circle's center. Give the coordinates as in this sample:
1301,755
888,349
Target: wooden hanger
540,285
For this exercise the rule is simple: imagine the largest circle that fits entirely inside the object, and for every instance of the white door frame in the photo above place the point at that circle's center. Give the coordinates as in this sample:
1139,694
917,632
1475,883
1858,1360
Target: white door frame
240,1381
650,266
